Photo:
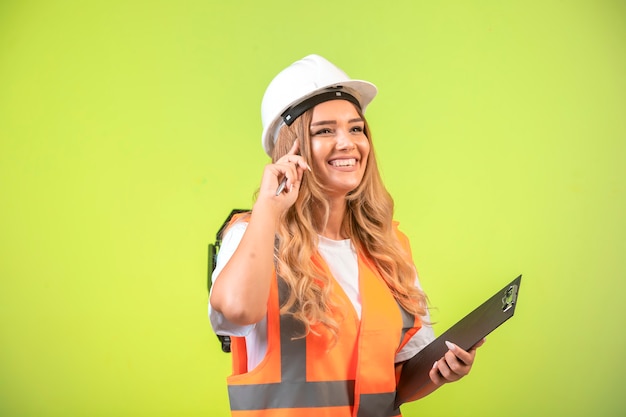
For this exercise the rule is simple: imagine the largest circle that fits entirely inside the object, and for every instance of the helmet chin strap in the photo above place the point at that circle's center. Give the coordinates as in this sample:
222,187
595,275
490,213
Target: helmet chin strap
292,113
295,111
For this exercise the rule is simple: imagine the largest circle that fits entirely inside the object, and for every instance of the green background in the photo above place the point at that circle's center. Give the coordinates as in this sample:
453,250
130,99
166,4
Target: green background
130,129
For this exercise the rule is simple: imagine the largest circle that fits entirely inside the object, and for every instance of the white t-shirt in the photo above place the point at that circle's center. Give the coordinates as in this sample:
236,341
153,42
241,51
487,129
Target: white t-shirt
343,264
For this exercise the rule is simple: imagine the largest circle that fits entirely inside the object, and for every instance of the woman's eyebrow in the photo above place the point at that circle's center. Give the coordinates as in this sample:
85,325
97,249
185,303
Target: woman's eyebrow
334,122
324,122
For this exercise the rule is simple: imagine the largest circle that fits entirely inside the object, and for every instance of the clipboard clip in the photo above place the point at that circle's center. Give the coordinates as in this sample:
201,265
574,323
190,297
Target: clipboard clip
510,296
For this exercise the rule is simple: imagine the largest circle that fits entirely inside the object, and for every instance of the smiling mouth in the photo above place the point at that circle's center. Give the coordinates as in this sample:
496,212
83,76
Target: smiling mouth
343,162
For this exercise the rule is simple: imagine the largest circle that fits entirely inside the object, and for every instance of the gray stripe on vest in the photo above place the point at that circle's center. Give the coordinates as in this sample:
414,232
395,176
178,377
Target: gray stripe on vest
408,321
378,405
291,395
292,342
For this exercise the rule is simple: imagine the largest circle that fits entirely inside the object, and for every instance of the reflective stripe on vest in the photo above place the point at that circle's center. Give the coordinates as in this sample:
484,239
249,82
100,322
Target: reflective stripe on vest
298,376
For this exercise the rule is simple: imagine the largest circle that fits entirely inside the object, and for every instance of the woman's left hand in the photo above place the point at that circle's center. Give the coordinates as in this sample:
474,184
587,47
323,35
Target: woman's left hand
454,365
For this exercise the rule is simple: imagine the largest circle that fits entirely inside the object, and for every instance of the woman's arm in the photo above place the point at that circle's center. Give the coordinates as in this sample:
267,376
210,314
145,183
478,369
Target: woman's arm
241,289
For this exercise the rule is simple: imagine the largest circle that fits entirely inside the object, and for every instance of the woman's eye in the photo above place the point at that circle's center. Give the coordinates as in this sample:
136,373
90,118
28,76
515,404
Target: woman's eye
324,131
357,129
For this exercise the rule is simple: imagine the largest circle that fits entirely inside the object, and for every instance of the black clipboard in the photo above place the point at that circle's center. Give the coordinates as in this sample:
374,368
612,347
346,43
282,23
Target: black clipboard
465,333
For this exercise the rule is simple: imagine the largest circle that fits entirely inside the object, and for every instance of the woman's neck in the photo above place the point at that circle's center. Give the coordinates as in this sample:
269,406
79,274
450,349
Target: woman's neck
334,226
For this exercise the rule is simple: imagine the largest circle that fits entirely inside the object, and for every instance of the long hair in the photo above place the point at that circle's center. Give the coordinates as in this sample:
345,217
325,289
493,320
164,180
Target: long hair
367,222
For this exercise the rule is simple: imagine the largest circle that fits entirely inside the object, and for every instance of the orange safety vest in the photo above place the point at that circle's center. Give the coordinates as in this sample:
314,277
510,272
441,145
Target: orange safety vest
299,377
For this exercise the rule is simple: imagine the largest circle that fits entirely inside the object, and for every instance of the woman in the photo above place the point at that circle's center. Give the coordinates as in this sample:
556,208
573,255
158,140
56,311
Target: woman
316,285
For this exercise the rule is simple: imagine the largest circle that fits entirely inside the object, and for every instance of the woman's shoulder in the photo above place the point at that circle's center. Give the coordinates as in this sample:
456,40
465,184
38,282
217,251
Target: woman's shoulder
400,235
237,220
395,225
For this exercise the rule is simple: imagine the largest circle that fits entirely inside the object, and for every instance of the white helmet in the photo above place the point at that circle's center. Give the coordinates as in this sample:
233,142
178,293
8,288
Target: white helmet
301,86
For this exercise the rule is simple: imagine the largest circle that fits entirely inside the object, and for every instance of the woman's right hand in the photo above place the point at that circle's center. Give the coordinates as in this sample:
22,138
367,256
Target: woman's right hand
291,166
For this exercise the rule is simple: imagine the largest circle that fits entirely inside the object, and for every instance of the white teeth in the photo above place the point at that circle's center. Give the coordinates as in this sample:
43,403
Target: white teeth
343,162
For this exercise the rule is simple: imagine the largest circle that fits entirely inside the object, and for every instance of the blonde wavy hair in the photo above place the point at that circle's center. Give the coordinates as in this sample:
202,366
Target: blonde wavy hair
367,222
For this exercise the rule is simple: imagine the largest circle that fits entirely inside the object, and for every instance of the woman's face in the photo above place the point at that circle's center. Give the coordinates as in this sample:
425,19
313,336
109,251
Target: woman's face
339,146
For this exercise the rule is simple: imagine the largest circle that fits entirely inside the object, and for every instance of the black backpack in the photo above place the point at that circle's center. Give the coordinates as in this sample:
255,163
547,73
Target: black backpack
213,250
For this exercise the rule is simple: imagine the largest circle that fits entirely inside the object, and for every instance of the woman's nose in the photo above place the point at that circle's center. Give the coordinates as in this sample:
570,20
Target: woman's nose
344,140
